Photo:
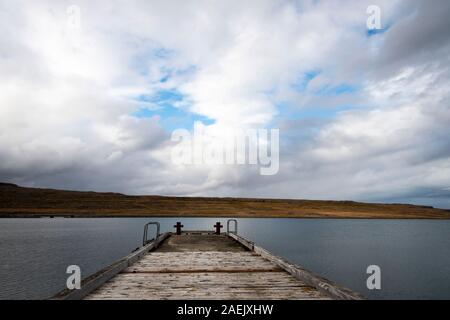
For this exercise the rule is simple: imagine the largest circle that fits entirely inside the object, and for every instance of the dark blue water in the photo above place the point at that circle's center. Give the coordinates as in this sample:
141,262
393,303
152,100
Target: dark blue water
414,255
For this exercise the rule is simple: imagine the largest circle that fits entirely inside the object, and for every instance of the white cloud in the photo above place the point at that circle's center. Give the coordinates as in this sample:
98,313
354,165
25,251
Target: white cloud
67,96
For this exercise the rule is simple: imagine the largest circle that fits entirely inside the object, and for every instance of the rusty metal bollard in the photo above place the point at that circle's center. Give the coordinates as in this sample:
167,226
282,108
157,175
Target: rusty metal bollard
178,226
218,226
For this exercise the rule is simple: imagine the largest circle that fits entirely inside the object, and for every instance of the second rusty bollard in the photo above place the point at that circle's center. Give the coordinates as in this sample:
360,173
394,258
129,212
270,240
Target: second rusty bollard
218,226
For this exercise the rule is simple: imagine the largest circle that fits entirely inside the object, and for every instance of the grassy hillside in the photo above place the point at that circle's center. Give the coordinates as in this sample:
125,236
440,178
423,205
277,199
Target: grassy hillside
17,201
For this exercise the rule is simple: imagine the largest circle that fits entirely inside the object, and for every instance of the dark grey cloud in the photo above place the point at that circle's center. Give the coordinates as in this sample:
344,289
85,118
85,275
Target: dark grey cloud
423,33
67,103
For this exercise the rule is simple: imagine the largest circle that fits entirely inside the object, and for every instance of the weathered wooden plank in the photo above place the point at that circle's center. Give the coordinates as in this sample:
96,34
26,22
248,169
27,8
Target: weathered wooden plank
254,285
324,285
200,241
205,295
98,279
199,265
241,279
201,261
208,296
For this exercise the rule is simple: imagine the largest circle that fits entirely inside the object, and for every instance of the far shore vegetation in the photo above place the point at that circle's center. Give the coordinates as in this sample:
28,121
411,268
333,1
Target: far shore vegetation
17,201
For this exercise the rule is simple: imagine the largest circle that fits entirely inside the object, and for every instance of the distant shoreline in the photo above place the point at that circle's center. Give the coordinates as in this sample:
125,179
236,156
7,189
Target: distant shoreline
19,202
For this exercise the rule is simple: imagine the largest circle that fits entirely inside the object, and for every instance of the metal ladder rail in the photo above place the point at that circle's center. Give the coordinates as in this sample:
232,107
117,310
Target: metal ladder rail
158,228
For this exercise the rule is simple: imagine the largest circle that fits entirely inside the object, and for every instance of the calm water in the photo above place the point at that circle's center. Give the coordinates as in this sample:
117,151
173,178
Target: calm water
414,255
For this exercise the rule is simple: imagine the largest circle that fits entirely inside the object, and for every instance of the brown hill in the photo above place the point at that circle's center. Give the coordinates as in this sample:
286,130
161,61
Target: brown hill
17,201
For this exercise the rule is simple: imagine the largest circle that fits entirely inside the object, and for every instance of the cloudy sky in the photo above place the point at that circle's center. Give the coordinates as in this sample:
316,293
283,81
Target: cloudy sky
91,91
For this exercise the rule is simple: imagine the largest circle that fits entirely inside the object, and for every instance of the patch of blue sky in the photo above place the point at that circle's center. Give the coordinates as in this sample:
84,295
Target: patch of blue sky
165,78
292,112
170,73
170,106
306,122
324,112
163,53
172,118
328,90
302,83
374,31
288,110
143,59
163,98
321,112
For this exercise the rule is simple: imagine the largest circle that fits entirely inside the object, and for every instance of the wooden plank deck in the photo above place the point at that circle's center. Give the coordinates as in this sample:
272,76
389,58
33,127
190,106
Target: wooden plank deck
206,261
202,265
206,286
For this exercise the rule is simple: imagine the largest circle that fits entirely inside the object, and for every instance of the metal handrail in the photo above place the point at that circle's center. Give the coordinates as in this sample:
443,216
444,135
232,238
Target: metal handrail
235,226
158,227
